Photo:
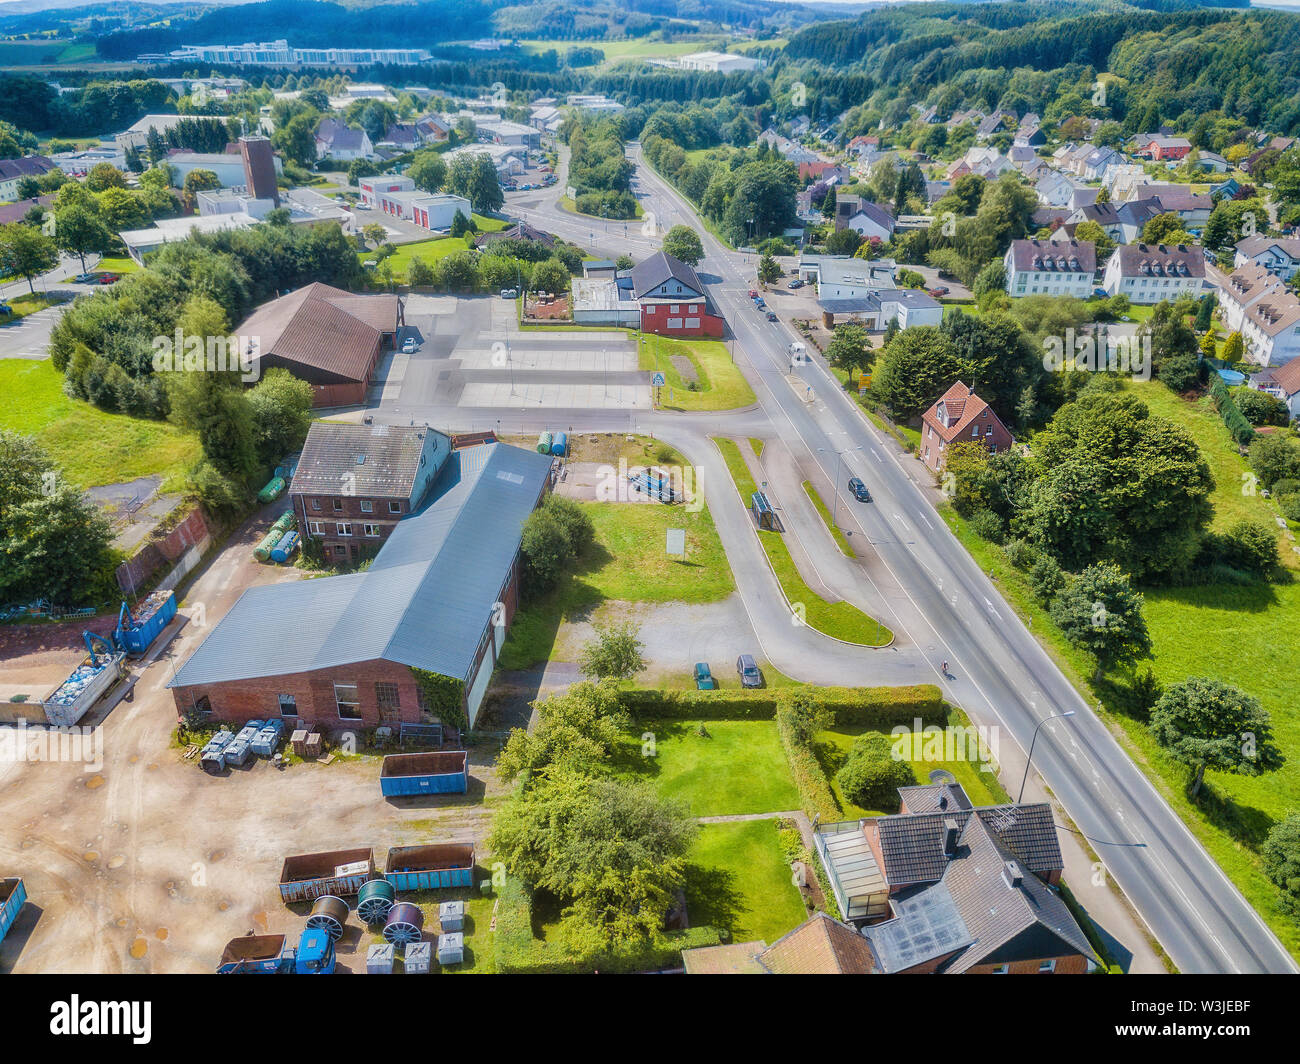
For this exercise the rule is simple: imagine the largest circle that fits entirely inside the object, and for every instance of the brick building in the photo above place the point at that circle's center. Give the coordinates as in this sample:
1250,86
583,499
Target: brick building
355,482
960,416
340,652
672,299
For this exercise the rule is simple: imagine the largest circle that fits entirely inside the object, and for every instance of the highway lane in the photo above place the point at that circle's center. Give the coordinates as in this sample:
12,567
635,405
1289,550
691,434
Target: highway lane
1002,675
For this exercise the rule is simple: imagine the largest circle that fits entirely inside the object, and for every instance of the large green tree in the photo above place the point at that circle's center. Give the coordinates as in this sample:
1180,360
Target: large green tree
26,251
682,242
917,366
473,175
1099,611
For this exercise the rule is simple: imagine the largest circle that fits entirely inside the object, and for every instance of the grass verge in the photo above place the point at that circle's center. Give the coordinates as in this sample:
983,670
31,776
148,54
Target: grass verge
841,540
719,383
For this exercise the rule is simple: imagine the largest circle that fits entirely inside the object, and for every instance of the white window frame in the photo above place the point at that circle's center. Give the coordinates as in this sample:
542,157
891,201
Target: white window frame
343,528
371,530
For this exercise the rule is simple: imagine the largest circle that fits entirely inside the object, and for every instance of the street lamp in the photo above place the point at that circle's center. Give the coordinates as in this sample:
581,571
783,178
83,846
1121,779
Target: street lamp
1030,758
835,504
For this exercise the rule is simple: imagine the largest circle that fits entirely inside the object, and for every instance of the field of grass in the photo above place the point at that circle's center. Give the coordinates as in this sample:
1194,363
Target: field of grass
841,540
731,767
721,384
1240,635
739,880
117,264
21,306
91,447
626,563
39,53
841,620
428,250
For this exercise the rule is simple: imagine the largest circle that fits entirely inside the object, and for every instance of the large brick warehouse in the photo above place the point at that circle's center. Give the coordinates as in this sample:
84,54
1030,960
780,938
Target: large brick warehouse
339,651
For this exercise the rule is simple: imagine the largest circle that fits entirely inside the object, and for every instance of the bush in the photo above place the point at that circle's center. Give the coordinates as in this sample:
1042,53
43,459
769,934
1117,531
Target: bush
870,707
1046,578
1286,486
1281,857
1249,545
1242,431
1290,506
799,717
987,525
1021,553
1260,408
871,776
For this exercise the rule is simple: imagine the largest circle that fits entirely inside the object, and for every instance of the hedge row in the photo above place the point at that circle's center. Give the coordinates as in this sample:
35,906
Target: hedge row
815,794
870,707
518,952
1242,430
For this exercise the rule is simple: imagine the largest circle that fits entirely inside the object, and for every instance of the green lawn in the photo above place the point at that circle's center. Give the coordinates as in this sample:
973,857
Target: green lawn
1240,635
117,264
841,620
91,447
739,880
833,747
841,540
626,563
21,306
734,767
757,446
720,384
428,250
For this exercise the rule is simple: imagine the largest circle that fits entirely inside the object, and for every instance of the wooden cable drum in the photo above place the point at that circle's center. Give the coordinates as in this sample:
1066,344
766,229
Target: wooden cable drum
376,901
329,914
404,924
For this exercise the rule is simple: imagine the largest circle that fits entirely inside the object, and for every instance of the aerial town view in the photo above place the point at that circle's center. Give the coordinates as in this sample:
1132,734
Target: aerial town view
682,487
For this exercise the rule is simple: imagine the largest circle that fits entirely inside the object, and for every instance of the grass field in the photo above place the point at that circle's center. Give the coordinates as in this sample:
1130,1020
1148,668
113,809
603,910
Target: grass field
841,540
626,563
1240,635
91,447
721,384
841,620
428,250
739,880
21,306
734,767
117,264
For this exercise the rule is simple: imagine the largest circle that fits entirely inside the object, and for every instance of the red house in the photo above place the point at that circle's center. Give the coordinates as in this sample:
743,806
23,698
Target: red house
1160,148
960,416
672,299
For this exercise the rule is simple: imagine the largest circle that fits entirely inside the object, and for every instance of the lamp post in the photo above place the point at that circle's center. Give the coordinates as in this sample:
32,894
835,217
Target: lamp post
1030,758
835,503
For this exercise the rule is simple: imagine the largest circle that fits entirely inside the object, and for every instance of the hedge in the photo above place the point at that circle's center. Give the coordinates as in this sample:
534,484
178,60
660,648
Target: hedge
815,794
871,707
1242,430
518,952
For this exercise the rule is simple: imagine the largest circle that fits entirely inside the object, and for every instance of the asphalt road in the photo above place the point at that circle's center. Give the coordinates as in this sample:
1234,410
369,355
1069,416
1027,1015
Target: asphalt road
923,583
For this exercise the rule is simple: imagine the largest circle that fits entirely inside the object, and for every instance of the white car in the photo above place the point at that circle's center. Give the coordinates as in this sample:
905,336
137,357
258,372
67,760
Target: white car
410,346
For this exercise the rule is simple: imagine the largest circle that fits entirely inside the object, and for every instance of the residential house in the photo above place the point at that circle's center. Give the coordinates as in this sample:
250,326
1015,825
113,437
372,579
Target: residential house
1123,222
12,171
401,137
960,416
1282,382
1030,133
433,129
994,124
1153,273
672,298
354,482
1192,207
1126,181
1279,255
1266,151
349,650
1161,148
1048,267
1212,161
1098,161
137,135
336,140
869,220
1246,285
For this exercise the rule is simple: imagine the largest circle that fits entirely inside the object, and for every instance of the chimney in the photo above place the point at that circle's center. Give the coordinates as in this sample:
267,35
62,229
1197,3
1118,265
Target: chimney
259,168
950,833
1011,874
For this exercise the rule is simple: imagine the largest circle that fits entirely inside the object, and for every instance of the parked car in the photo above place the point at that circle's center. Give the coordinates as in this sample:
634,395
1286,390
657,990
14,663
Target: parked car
509,293
362,206
760,303
796,283
771,315
859,490
753,293
107,278
939,290
410,346
704,680
85,278
748,669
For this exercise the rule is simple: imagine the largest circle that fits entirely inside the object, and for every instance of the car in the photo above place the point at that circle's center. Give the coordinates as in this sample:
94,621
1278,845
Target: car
760,304
6,309
748,670
753,293
85,278
410,346
859,490
362,206
796,283
509,293
704,680
370,264
771,315
107,278
938,290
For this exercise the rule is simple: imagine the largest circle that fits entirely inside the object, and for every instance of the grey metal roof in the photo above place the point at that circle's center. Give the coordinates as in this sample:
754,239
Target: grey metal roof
926,925
425,600
349,458
658,268
934,797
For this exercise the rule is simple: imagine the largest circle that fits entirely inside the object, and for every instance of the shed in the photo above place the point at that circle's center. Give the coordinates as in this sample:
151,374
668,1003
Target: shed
430,867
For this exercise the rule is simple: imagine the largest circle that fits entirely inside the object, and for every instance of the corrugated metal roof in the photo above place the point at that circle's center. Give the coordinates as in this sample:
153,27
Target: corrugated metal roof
348,458
425,600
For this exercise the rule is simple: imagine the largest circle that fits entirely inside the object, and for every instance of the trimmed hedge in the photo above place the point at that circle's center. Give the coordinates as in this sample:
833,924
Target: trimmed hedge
518,952
1242,430
815,795
871,707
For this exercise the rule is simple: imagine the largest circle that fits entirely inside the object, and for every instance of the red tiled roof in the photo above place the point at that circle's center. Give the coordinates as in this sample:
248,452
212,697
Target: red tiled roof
962,406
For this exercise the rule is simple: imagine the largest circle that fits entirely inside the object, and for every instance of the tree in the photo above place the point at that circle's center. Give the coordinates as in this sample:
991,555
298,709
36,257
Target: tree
1205,724
428,170
1274,457
551,276
682,242
374,233
1092,231
849,349
281,405
1280,854
614,654
871,775
916,367
829,204
122,209
200,180
26,252
419,274
79,229
1166,228
1099,611
576,730
296,139
768,270
105,175
473,175
843,242
553,536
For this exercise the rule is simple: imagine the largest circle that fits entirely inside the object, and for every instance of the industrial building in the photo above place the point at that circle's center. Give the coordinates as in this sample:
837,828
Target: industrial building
340,652
279,53
398,197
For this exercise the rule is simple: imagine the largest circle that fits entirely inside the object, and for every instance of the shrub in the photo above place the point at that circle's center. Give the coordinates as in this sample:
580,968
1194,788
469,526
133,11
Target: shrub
1290,506
987,525
1250,545
872,775
1021,553
870,707
798,720
1046,578
1260,408
1286,486
1281,856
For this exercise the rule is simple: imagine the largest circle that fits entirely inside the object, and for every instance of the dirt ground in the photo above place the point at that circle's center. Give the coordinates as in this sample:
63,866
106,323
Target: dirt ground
144,863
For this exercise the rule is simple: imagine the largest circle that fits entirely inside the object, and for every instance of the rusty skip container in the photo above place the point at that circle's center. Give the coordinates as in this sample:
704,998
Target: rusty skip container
433,867
253,955
441,772
309,876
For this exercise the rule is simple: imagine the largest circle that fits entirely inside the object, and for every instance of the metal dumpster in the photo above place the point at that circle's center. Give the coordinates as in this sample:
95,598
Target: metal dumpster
138,628
441,772
306,877
432,867
12,897
253,955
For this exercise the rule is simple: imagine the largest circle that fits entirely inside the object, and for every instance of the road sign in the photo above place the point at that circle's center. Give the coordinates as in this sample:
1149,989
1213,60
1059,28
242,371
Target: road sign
658,380
676,541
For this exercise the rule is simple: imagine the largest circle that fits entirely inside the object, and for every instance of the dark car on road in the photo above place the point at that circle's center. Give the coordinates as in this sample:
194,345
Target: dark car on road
704,680
748,670
771,315
859,490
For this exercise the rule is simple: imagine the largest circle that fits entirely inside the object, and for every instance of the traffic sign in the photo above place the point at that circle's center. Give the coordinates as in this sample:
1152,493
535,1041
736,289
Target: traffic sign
658,380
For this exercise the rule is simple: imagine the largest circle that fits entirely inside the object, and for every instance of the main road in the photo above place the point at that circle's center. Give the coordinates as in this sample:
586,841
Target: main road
921,580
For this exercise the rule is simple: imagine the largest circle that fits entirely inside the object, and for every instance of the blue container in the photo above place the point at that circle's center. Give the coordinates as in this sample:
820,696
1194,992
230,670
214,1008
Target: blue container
434,867
268,739
12,896
560,445
443,772
1232,377
135,633
236,753
249,731
283,550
